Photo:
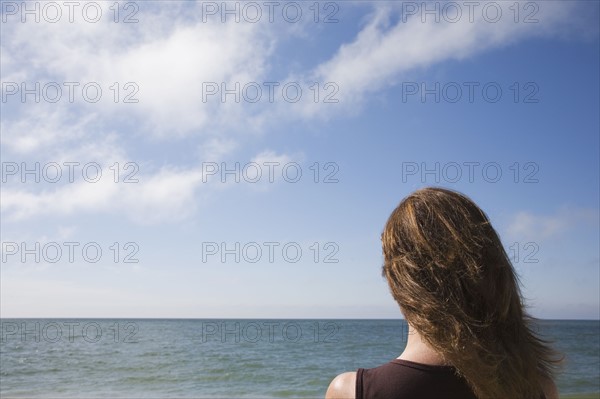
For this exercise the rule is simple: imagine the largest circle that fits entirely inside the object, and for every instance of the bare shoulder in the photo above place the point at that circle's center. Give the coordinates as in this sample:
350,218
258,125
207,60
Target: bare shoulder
549,388
342,387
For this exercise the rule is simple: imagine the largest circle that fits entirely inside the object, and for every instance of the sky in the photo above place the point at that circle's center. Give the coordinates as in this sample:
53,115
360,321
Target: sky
239,160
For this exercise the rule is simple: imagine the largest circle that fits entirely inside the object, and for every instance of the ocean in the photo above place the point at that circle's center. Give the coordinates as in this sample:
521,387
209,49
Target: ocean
245,358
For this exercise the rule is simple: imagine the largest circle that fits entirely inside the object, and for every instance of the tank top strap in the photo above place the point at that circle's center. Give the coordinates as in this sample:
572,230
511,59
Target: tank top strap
359,384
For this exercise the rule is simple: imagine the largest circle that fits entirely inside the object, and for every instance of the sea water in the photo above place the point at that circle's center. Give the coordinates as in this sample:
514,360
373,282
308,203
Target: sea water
246,358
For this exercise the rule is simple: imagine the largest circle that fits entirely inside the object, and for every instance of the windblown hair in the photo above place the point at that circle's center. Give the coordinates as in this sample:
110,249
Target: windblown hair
448,271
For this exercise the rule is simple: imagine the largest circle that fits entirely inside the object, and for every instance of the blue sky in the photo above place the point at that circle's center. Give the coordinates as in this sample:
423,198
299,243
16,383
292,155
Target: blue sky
371,144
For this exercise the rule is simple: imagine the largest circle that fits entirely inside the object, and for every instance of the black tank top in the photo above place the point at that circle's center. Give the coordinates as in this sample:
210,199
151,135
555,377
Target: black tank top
400,379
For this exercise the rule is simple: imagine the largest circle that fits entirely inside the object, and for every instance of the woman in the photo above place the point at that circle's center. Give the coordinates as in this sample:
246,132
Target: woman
469,335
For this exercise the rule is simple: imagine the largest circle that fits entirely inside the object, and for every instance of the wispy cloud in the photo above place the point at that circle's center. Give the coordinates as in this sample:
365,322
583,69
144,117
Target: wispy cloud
165,57
528,226
383,51
169,56
168,195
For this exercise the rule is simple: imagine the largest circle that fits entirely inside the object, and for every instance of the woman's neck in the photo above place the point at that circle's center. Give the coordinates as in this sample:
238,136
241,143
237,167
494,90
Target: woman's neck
417,350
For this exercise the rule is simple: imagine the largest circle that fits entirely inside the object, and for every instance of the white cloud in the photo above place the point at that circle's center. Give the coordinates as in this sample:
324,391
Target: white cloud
168,195
214,149
276,168
167,57
45,128
382,52
528,226
272,156
171,73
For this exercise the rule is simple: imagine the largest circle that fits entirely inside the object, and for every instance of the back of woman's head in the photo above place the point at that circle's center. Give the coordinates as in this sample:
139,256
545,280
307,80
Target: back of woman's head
448,271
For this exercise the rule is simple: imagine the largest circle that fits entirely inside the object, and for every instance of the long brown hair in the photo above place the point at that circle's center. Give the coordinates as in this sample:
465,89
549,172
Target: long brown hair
448,271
